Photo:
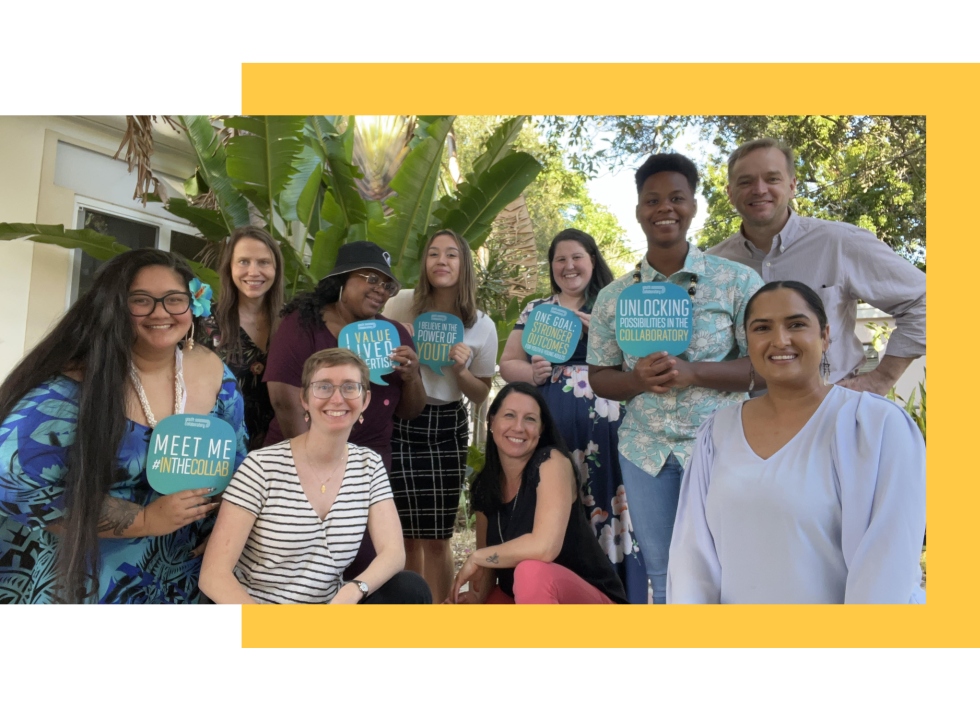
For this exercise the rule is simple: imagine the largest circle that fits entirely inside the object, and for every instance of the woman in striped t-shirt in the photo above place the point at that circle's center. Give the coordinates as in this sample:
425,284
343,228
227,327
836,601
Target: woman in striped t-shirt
293,517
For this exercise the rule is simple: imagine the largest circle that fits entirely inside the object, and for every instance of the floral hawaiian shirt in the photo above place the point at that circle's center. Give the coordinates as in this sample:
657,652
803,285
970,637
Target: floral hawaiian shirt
657,425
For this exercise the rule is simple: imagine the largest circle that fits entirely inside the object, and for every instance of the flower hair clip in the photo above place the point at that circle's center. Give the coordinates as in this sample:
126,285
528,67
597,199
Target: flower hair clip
200,298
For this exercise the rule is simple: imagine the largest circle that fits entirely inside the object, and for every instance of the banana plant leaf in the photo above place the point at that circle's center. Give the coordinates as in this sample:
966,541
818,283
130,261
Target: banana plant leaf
498,145
325,248
336,151
415,183
101,247
208,222
299,195
261,162
211,160
472,212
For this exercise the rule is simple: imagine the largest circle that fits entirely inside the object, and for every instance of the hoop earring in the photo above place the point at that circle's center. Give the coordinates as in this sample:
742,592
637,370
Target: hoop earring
189,339
825,368
751,377
341,293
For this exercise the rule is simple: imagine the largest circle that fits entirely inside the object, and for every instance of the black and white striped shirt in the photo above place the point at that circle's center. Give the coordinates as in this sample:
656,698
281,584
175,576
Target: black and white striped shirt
291,556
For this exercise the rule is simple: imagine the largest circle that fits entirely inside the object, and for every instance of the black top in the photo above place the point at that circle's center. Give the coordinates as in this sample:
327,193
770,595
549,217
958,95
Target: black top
247,369
580,551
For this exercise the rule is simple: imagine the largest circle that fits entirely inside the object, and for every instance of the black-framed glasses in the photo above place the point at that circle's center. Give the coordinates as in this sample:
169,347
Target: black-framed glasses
348,390
175,303
389,286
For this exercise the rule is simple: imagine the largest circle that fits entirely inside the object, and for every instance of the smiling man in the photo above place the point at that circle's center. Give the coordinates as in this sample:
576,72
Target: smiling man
669,397
843,263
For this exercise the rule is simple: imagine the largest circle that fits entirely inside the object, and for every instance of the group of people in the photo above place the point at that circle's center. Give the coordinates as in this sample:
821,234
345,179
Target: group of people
757,466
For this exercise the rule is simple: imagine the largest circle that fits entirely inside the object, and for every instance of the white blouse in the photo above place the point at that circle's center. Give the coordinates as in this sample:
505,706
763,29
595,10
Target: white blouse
837,515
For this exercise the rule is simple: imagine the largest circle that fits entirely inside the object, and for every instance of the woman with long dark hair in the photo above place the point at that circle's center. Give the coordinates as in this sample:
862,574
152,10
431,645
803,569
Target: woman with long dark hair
247,314
78,519
588,423
811,493
429,452
534,543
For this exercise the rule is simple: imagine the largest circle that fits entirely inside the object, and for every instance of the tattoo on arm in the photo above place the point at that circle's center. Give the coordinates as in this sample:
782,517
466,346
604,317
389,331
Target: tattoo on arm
117,515
493,559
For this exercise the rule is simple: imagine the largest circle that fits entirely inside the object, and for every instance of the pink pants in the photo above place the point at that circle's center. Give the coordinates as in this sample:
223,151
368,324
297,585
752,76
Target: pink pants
541,583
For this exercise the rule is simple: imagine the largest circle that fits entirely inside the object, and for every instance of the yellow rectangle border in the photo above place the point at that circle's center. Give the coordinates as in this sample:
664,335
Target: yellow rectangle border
947,94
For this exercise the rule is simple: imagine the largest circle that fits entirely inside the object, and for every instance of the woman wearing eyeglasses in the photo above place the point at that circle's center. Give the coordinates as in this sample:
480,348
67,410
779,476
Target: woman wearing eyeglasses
356,289
292,519
79,521
246,317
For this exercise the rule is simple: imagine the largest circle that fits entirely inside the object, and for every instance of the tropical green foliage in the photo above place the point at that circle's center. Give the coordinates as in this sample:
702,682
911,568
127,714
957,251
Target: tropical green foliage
866,170
557,199
296,176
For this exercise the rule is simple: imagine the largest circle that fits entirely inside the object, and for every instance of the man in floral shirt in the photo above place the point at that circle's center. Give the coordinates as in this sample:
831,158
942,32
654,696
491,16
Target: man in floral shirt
669,397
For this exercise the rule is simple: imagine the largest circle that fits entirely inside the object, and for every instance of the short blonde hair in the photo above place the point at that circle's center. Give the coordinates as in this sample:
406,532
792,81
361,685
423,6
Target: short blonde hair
333,357
761,144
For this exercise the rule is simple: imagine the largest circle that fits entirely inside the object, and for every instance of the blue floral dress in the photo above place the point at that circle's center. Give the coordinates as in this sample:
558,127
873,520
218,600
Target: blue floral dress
35,440
589,425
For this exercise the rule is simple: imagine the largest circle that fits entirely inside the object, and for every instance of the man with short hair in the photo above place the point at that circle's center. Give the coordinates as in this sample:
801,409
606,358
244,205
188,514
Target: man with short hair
843,263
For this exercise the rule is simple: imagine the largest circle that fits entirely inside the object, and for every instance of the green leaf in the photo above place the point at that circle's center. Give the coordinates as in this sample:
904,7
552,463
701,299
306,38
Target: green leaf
415,184
479,202
261,162
211,161
101,247
325,248
336,150
498,144
297,197
208,222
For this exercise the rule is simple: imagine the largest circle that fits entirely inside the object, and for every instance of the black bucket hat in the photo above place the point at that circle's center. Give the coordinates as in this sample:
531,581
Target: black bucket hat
362,255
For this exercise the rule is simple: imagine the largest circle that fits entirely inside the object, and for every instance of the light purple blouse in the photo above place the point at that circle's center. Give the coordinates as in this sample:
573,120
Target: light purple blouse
837,515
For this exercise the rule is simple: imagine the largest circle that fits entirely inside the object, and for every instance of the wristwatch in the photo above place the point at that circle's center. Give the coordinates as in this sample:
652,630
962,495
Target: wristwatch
363,587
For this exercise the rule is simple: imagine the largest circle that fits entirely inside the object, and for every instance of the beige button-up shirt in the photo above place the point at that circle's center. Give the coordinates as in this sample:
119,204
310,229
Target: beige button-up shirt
844,264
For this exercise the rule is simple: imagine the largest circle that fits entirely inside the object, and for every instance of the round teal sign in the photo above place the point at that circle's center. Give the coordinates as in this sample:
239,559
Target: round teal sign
435,334
653,317
373,342
552,332
189,452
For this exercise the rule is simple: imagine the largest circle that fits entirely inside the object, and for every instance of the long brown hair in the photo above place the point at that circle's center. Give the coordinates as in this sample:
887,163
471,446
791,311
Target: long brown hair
466,285
227,312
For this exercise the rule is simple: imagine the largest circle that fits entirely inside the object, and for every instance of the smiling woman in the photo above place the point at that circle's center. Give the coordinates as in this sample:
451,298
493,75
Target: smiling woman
247,316
293,517
79,521
812,493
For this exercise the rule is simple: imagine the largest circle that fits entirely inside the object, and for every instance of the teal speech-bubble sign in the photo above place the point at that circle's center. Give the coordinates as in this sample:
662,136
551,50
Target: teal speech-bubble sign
435,334
653,317
552,332
372,341
189,452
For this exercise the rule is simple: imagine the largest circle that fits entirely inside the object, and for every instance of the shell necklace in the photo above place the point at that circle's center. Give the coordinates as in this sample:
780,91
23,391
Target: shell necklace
180,390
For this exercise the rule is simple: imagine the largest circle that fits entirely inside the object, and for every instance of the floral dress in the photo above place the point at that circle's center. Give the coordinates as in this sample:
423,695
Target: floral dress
248,371
35,442
589,425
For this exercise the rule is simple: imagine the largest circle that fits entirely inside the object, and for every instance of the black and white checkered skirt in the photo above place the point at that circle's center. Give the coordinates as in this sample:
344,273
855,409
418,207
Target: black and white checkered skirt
428,464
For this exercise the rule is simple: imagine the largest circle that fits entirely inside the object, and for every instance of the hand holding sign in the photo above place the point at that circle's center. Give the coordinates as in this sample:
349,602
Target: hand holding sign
552,332
373,342
653,317
435,336
191,452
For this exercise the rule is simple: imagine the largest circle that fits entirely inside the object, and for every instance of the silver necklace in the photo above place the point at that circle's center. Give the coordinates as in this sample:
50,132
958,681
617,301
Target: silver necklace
134,377
512,511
